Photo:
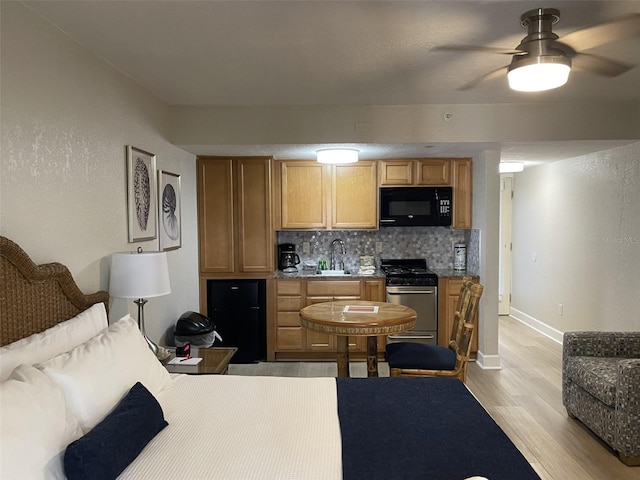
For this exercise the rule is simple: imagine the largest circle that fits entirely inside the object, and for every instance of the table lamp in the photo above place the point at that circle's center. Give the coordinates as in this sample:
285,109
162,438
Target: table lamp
140,275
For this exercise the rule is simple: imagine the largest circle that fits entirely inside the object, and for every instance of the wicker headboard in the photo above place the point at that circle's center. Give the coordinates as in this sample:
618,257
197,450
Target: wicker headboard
36,297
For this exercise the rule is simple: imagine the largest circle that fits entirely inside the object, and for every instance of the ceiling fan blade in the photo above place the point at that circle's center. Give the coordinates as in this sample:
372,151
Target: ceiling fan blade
501,72
591,37
600,65
477,48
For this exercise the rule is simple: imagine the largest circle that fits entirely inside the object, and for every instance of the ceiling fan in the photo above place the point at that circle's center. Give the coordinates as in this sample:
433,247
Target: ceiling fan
542,60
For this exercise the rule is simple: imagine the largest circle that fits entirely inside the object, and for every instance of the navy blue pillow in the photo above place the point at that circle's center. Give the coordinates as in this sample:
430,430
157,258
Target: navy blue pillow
114,443
420,355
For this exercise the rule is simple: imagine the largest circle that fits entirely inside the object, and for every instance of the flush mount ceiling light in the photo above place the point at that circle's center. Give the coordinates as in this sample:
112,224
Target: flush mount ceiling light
511,167
337,155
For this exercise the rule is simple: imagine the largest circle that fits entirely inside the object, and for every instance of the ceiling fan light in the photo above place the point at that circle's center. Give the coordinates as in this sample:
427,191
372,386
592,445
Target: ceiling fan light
538,73
337,155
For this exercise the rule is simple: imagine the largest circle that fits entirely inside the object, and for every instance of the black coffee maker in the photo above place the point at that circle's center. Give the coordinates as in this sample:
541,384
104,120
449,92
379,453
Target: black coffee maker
287,258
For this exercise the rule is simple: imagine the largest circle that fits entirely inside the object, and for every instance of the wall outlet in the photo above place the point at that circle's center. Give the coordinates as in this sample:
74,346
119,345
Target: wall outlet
560,309
306,247
378,247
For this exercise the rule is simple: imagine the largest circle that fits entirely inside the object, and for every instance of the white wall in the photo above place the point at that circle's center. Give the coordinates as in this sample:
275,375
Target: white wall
66,119
486,219
487,123
576,242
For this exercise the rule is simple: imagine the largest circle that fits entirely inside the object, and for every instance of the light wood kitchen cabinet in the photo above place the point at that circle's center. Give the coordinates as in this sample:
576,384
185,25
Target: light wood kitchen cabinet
375,290
234,215
311,195
461,182
354,196
289,301
448,295
418,171
292,341
304,195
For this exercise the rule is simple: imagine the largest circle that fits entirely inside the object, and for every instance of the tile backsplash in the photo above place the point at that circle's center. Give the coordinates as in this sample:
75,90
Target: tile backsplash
435,244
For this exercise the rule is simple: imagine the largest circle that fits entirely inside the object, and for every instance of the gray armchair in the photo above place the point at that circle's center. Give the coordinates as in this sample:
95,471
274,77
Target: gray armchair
601,387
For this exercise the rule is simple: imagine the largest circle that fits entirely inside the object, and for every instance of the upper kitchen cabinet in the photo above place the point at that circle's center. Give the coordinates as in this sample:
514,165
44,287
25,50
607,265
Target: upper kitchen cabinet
417,171
304,195
311,195
433,171
234,215
461,182
354,196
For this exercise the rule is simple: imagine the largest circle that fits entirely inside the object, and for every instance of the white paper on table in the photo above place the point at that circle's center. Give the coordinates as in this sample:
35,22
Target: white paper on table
185,361
360,309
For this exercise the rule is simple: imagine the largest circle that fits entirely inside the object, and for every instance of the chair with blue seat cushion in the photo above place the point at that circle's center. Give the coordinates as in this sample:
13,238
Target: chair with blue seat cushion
411,359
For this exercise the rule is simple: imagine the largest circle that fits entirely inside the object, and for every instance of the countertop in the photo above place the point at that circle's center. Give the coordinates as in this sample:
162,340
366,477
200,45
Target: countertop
451,273
441,272
312,274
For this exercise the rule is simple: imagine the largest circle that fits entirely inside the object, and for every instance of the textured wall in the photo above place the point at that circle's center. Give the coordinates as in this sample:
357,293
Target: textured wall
576,242
66,119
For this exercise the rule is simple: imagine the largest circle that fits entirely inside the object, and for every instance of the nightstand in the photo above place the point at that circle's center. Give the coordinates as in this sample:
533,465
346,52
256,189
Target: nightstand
215,361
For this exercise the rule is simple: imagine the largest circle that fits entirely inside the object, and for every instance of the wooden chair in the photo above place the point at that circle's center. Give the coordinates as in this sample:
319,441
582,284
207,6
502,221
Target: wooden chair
412,359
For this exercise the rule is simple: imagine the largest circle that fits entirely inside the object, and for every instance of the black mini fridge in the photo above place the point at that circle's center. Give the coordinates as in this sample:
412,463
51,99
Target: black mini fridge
238,310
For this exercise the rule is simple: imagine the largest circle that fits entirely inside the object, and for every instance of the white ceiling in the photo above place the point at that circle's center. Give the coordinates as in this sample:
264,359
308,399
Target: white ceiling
300,53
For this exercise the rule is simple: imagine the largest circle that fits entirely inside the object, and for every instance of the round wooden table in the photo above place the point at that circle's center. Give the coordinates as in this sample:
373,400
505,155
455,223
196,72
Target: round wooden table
359,321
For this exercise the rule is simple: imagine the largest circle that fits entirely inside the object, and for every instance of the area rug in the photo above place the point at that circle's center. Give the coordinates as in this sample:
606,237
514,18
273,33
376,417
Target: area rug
421,428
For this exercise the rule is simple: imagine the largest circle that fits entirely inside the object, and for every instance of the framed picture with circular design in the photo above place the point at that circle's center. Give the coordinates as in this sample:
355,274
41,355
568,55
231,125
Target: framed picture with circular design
141,194
169,213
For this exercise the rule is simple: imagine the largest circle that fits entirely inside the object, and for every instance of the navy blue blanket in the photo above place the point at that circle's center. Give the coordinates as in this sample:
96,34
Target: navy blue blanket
421,428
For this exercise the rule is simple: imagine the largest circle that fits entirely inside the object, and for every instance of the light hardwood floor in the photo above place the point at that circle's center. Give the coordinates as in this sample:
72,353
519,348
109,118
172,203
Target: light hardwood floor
524,397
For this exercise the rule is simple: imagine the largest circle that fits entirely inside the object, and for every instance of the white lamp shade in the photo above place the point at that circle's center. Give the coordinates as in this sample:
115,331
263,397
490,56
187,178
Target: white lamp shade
337,155
139,275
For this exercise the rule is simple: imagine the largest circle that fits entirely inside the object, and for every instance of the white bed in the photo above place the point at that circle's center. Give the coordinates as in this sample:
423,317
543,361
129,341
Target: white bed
82,400
294,434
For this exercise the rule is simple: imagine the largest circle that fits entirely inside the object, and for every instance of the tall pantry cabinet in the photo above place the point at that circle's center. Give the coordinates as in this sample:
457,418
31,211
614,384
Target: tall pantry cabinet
234,215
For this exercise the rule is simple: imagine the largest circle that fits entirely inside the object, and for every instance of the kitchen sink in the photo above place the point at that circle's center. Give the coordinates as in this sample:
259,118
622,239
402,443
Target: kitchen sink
334,273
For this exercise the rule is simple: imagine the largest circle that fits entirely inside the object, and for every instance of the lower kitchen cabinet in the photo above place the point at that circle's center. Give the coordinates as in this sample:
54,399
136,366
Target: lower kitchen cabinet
292,341
448,295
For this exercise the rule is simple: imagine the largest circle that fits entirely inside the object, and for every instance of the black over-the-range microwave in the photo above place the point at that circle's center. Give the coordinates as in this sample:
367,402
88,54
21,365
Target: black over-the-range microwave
415,206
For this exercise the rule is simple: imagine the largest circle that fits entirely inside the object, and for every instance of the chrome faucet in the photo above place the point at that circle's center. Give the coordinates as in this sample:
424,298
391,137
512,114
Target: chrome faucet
333,255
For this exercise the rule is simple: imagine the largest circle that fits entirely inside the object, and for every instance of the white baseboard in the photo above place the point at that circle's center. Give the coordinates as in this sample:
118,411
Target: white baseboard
537,325
488,362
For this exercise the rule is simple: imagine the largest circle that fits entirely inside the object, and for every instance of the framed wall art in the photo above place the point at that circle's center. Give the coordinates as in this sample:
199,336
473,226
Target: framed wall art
169,208
141,195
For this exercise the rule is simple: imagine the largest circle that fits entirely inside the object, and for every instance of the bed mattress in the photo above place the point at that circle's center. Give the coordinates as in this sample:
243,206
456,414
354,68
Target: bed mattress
246,428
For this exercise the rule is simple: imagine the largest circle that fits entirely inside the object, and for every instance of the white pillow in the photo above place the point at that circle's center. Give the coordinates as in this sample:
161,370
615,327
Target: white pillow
53,341
35,426
96,375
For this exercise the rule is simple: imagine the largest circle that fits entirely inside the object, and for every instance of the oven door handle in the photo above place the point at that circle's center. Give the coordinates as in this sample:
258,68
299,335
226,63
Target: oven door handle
423,292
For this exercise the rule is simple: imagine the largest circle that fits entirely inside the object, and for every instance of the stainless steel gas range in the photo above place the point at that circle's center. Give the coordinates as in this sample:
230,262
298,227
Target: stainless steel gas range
409,282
